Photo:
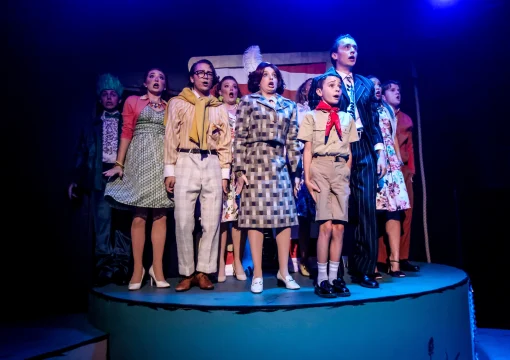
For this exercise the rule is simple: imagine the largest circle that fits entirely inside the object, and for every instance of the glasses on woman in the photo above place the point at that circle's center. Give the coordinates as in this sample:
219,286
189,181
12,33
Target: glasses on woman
202,74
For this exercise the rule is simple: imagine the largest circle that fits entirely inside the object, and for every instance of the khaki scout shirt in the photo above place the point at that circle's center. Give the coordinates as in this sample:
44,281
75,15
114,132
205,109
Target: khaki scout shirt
313,129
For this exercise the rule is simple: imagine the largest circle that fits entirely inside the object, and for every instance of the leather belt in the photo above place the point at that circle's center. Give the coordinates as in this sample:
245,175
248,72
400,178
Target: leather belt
335,158
199,151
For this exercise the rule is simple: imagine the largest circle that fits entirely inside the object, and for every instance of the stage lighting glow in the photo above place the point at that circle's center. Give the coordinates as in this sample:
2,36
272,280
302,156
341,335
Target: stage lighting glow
443,3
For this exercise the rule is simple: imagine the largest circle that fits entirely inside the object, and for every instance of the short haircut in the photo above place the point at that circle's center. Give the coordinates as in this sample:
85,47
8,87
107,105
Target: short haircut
387,84
322,78
336,44
192,72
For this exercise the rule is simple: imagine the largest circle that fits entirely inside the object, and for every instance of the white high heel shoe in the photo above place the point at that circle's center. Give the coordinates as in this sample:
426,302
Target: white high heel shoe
159,284
257,285
289,282
241,276
137,286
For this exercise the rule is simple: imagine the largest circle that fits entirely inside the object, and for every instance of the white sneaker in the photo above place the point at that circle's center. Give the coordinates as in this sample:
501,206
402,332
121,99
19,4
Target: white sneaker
257,285
289,282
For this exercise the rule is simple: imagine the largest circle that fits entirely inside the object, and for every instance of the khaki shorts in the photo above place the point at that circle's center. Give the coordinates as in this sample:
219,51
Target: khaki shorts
332,178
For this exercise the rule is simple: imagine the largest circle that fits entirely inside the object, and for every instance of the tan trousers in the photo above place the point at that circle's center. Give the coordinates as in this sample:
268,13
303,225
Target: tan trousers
197,175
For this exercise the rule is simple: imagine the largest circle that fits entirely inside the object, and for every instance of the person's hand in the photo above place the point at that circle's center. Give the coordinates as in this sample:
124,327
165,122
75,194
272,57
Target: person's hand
170,183
70,191
381,165
116,170
241,182
224,184
297,186
312,189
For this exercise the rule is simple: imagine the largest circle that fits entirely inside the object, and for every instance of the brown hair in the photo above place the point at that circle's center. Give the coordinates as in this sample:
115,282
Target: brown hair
301,95
255,77
217,88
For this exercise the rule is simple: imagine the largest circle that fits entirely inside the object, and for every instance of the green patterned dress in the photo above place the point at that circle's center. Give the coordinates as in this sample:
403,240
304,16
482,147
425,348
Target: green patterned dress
142,184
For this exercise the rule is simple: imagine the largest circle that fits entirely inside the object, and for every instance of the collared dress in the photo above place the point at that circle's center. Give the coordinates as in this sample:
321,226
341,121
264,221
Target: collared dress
265,144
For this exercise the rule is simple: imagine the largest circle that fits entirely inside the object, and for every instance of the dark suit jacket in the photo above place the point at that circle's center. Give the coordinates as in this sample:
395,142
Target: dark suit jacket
365,95
88,169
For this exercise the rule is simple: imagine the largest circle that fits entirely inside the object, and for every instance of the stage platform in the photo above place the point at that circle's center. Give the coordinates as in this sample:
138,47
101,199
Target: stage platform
423,316
57,337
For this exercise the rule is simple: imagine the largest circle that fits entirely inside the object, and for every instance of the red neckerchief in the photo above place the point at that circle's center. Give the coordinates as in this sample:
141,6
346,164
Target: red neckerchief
333,118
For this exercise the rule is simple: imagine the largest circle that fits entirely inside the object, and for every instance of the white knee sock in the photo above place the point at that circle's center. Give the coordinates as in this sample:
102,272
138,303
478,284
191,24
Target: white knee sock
323,272
333,271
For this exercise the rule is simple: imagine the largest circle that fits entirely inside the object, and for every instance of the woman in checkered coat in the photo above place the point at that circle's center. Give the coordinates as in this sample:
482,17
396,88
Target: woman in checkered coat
265,138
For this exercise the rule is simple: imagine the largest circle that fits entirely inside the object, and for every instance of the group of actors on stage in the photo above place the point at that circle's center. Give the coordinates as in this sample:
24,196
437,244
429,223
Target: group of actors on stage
342,152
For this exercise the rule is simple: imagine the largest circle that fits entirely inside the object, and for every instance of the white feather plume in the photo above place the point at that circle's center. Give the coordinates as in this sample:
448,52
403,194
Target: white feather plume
251,58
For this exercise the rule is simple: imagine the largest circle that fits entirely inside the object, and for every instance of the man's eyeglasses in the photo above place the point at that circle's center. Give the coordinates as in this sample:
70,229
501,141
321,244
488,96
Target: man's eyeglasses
202,74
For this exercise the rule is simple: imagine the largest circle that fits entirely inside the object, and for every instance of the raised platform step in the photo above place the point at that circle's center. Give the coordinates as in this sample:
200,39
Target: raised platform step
64,337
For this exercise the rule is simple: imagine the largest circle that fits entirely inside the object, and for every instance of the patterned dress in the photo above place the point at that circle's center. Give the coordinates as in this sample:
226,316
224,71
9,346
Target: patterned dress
266,136
142,184
393,193
304,202
230,200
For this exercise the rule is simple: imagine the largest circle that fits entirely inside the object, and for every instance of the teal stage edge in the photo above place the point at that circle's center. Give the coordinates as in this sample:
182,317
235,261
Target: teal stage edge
423,316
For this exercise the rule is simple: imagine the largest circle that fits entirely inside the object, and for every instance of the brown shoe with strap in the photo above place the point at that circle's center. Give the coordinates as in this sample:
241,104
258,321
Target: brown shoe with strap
185,284
202,280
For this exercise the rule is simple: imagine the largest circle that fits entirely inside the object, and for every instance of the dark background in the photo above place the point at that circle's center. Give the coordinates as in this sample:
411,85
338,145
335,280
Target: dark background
56,50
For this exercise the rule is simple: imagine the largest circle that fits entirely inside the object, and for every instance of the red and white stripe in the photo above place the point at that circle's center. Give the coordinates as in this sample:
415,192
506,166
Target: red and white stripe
293,75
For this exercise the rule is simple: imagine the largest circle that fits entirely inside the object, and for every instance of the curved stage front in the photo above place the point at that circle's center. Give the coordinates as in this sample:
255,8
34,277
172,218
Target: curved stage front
422,316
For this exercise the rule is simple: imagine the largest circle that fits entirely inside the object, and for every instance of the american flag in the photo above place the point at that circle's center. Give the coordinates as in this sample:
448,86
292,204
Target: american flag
296,68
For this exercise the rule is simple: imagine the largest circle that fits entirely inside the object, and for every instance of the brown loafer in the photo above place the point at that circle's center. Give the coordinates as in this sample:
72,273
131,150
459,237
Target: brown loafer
185,284
202,280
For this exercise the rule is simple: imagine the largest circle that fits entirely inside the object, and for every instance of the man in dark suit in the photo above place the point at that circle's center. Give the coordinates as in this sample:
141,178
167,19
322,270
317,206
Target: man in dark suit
96,153
369,163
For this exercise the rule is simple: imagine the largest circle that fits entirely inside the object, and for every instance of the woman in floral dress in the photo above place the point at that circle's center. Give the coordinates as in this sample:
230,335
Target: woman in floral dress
392,195
229,94
304,202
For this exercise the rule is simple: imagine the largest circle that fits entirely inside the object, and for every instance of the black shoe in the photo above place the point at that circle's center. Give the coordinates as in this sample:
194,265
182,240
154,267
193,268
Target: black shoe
405,265
375,276
340,287
325,290
396,273
364,281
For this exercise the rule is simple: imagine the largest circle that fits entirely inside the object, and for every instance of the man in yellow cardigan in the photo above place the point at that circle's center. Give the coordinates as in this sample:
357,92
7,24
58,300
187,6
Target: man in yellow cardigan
198,156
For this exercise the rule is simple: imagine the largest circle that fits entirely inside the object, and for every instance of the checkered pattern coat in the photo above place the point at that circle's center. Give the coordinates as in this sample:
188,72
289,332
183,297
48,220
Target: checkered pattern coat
265,143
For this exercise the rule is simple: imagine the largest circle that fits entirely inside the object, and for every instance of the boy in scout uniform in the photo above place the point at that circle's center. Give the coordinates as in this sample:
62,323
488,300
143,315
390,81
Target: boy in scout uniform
327,133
